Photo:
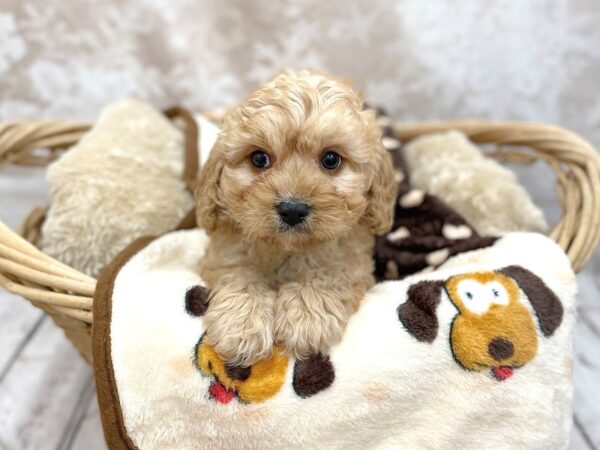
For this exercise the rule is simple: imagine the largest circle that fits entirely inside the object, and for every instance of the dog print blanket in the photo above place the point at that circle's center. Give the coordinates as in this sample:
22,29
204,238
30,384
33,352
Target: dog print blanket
475,354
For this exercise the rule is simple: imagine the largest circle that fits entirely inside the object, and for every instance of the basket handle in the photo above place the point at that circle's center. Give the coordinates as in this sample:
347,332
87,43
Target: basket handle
20,142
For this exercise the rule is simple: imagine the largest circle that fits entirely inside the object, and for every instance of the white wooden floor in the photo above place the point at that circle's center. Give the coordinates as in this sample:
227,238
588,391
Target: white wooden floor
47,398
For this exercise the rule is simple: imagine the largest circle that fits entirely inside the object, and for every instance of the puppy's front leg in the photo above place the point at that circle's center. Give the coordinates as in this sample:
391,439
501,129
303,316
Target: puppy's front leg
239,318
311,317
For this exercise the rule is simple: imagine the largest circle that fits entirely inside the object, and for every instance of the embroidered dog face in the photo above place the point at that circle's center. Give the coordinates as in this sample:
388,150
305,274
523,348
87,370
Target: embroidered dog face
249,384
298,163
262,380
493,328
265,378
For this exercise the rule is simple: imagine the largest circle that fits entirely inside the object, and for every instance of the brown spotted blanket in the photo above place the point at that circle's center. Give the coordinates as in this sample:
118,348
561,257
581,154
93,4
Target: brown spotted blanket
426,232
473,352
475,355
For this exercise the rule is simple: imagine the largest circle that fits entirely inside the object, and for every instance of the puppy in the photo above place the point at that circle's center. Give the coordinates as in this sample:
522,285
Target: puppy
294,190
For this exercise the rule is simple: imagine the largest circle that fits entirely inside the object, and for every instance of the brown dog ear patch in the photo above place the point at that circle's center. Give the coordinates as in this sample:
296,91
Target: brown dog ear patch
313,375
417,314
547,306
196,300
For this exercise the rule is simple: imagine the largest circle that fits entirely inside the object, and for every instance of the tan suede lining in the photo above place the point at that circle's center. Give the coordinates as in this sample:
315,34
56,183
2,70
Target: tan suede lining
113,424
188,222
191,144
111,414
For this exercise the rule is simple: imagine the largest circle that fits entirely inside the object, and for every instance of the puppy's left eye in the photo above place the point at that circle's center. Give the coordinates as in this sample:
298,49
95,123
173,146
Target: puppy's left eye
260,160
331,160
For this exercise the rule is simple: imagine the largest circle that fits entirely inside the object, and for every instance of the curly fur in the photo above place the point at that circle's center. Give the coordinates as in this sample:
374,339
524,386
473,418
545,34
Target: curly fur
293,288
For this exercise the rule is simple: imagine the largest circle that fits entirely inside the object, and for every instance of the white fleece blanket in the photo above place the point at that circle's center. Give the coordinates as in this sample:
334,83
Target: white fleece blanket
475,355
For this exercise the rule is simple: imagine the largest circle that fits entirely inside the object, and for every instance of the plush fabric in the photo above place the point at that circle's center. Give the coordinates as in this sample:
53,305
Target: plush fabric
123,180
425,230
487,195
493,328
383,386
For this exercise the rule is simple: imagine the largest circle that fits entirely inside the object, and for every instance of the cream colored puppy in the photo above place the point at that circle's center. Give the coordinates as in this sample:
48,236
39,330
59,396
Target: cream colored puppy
292,194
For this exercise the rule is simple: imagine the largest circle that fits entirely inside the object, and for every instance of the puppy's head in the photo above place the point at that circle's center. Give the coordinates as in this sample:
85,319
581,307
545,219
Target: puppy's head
298,163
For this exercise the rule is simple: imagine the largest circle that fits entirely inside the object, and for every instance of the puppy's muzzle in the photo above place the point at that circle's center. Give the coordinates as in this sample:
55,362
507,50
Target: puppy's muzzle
293,212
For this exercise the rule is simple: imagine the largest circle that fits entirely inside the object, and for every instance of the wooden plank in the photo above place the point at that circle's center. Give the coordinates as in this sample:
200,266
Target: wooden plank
83,412
586,347
20,190
89,436
578,441
586,337
588,282
586,368
586,375
20,320
40,392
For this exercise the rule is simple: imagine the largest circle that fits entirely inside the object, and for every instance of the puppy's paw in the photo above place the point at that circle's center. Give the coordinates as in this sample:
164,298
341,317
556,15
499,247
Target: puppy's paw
303,332
240,335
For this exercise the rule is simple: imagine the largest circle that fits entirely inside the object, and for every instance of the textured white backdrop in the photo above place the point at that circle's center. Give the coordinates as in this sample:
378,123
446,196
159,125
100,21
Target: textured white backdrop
526,59
422,59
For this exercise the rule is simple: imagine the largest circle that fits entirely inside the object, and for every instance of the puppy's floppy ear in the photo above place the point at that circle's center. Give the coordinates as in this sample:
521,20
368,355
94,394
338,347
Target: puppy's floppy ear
417,314
379,215
547,306
207,189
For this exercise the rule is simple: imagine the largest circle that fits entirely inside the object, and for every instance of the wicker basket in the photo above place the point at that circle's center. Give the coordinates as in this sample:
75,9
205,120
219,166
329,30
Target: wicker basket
67,294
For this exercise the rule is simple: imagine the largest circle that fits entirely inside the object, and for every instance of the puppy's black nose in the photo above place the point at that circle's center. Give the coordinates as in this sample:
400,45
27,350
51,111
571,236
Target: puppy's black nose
293,211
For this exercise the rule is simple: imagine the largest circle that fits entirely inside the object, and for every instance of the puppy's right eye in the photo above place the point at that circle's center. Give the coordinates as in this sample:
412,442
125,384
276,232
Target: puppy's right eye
331,160
260,160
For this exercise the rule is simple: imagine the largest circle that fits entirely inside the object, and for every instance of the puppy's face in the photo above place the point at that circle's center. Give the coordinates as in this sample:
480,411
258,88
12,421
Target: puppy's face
297,163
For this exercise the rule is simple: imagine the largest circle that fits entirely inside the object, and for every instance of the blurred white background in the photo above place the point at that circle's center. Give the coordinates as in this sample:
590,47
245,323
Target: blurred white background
533,59
420,59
